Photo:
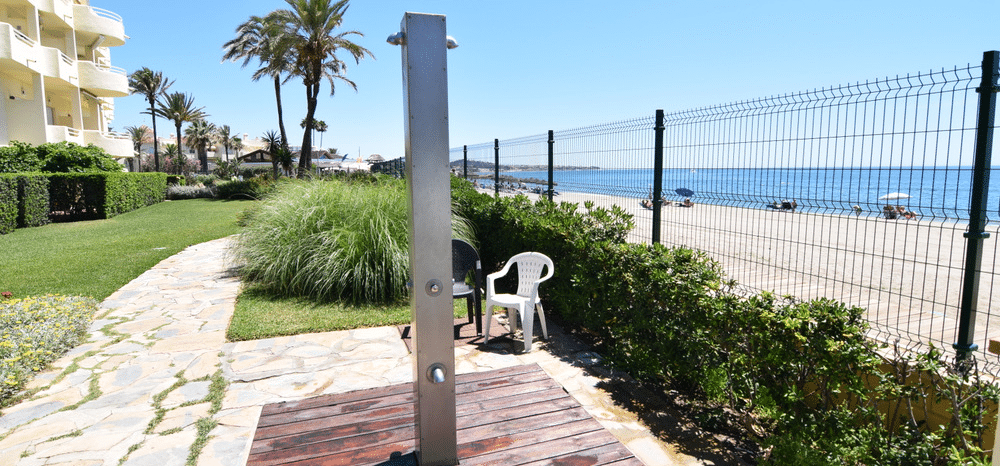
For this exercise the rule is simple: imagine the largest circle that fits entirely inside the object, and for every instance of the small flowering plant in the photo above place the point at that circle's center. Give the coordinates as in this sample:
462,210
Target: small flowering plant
35,331
6,295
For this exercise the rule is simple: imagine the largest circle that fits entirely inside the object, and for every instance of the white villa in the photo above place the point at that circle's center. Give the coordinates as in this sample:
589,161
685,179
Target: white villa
56,79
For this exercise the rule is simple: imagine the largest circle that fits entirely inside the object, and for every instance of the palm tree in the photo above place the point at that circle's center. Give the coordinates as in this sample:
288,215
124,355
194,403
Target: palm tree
318,125
273,142
237,145
151,84
179,107
140,136
261,38
311,33
321,128
200,134
224,136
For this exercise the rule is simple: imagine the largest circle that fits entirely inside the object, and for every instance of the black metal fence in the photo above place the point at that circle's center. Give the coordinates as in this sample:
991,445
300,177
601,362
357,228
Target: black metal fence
875,194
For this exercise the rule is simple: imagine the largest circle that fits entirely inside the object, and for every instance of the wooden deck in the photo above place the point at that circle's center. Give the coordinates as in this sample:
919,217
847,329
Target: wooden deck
511,416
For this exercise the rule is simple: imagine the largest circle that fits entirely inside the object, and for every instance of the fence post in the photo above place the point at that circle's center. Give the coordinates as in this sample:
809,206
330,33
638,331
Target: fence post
465,162
496,167
977,214
552,142
657,194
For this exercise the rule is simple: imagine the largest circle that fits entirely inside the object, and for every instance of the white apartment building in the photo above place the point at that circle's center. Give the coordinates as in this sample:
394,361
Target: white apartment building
56,79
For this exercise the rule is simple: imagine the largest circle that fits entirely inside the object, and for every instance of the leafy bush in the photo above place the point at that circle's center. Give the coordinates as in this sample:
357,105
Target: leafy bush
67,157
800,378
205,180
252,188
331,240
180,165
178,192
35,332
227,169
19,157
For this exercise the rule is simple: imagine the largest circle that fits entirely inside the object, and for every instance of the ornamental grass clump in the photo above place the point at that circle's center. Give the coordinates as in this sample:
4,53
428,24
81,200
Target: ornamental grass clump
331,241
35,331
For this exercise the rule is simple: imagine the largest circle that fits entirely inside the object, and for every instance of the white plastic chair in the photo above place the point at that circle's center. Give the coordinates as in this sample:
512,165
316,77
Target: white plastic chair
529,276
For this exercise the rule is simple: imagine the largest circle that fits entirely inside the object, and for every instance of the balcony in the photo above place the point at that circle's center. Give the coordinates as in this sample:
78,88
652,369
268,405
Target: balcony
99,21
117,145
61,9
55,133
54,63
103,80
15,46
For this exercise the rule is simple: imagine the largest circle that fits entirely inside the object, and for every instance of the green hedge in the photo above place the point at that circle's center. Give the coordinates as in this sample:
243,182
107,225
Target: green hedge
24,201
798,378
126,192
8,204
87,196
33,200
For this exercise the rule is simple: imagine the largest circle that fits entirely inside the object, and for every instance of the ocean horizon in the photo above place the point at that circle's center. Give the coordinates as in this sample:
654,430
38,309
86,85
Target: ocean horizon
939,193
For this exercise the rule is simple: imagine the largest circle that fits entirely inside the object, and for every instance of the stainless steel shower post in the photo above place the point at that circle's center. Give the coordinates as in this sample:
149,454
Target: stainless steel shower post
425,109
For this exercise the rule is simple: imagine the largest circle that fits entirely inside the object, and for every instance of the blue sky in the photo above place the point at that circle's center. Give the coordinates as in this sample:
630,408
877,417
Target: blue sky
524,67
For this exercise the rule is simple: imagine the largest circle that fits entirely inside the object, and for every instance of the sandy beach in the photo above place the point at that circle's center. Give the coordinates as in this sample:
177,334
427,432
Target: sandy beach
907,273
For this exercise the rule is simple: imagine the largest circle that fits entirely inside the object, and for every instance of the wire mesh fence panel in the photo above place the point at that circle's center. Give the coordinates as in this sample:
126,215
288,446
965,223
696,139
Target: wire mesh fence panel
858,193
608,164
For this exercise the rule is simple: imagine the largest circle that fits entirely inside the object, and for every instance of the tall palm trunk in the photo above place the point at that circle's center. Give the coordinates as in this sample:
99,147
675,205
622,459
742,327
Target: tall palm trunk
180,150
305,156
156,148
281,121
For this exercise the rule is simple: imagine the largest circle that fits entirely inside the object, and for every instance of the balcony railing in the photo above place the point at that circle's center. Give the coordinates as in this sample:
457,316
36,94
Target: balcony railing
106,14
23,38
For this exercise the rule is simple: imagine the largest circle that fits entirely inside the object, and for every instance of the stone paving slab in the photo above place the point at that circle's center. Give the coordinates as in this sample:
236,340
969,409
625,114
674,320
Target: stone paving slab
138,391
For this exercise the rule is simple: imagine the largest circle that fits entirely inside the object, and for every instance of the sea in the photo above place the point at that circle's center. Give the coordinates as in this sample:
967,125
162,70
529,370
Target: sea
940,193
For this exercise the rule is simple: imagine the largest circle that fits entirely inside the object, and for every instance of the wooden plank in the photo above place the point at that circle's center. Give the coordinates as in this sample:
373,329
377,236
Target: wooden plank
339,409
336,398
354,450
609,454
531,446
512,416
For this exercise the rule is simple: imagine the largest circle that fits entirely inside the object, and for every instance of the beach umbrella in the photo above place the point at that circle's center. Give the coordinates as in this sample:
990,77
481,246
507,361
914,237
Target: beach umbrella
684,192
894,196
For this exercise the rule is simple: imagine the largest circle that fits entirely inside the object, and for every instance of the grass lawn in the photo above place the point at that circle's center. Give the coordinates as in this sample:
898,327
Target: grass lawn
95,258
259,315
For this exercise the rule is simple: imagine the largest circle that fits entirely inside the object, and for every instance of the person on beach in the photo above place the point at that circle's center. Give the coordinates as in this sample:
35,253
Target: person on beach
857,210
687,203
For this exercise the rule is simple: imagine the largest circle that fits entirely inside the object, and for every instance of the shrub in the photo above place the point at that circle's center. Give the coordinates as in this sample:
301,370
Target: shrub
67,157
177,192
36,331
252,188
331,240
19,157
227,169
205,180
798,377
